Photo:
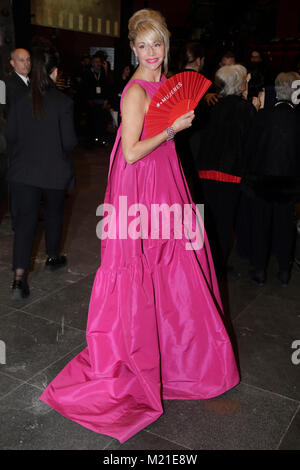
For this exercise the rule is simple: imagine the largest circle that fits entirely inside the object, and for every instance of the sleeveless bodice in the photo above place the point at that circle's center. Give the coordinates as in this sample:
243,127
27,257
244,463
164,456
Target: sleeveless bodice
150,88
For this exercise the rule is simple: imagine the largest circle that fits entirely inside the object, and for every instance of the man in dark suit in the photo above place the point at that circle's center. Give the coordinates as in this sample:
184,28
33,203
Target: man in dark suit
17,82
95,94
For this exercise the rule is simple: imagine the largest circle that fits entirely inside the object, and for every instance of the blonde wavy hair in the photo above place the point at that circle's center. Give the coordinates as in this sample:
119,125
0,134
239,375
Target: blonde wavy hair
151,25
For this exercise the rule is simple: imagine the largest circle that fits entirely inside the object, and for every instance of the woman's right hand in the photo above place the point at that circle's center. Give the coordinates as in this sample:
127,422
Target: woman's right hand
211,99
183,122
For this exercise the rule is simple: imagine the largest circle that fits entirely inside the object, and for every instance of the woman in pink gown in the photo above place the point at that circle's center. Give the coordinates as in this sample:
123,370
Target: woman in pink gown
155,326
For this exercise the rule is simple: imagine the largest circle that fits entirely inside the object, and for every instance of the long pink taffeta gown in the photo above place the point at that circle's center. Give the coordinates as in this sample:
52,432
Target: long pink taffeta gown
155,329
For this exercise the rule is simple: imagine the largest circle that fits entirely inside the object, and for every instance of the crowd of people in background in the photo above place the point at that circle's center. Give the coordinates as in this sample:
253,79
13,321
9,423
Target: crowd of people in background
96,90
240,157
96,94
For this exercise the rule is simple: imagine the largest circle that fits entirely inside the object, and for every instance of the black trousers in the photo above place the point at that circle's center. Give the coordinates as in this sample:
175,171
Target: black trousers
25,200
96,122
220,207
272,224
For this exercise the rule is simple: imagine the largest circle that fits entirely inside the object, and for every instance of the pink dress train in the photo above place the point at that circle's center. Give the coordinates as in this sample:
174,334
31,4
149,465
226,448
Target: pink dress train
155,329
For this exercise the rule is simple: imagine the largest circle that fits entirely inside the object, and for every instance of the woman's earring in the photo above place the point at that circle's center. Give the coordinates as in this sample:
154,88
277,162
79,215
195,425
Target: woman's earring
136,60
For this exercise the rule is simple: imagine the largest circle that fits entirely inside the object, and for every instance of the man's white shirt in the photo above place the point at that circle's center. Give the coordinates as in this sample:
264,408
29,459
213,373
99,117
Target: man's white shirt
25,79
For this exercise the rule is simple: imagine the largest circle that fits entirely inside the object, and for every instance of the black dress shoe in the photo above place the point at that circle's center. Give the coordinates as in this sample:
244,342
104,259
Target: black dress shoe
20,289
258,276
52,264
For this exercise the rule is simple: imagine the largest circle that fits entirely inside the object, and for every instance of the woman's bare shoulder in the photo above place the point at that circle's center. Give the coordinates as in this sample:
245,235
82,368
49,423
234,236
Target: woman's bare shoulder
134,92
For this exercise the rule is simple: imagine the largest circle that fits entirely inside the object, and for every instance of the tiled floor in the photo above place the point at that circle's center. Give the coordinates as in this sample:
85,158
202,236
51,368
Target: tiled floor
45,332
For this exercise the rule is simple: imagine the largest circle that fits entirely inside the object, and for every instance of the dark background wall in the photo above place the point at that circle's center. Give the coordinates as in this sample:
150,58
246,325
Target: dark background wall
22,18
274,25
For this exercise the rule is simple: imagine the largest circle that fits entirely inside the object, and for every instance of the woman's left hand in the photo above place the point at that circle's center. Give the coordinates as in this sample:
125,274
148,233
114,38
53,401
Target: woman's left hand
183,122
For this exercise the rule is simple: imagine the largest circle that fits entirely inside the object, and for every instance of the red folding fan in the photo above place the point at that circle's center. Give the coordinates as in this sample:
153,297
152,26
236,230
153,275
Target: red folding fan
178,95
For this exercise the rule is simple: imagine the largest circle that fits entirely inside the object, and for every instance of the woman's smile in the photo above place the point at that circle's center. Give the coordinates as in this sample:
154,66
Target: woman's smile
152,61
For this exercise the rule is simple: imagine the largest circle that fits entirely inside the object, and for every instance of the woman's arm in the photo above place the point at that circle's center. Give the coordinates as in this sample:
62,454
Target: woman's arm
134,108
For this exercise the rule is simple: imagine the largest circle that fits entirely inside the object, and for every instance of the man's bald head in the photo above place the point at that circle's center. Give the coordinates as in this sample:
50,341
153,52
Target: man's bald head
20,61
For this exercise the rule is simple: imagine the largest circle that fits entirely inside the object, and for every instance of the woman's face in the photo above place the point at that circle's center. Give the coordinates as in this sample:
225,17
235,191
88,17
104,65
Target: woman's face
150,54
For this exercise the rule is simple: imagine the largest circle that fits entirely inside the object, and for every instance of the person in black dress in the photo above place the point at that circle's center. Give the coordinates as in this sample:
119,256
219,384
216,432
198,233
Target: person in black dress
273,181
40,132
221,158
